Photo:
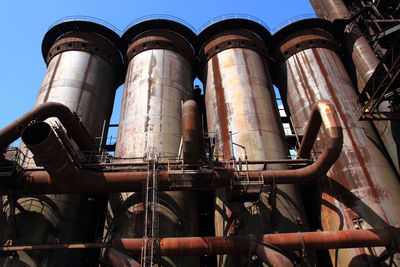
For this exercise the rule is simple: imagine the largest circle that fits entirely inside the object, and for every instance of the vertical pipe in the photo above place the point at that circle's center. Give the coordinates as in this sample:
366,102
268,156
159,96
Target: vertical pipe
241,106
365,62
159,77
192,133
361,190
83,68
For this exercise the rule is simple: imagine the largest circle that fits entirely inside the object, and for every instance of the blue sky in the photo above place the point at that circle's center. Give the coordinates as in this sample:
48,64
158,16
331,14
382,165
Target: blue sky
25,22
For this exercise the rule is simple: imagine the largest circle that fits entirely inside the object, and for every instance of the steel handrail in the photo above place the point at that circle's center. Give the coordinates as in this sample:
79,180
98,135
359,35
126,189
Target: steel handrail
88,19
232,16
159,17
291,20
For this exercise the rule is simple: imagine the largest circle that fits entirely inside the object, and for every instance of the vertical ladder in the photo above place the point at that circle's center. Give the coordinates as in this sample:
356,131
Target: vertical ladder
150,254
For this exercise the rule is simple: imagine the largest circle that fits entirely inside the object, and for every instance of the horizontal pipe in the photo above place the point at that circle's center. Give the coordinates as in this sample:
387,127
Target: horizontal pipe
221,163
41,182
50,109
52,246
194,246
322,112
218,245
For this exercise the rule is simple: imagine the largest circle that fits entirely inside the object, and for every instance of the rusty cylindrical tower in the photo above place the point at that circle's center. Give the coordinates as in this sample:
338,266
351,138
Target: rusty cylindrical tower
159,77
242,114
363,64
84,68
361,190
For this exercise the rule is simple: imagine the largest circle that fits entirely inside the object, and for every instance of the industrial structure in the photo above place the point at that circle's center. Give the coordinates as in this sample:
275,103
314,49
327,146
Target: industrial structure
207,179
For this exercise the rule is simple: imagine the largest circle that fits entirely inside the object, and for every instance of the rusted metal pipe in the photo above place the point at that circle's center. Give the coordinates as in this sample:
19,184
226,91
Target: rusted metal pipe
322,112
219,163
50,109
191,132
185,246
47,148
41,182
356,45
52,246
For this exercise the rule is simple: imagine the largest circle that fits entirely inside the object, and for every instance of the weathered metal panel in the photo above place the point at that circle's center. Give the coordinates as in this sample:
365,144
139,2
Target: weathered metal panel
156,83
241,109
361,186
84,81
365,62
158,79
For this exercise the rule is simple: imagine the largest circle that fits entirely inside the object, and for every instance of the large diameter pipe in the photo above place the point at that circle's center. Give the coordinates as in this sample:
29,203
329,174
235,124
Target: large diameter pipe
365,62
159,76
361,189
357,46
47,148
84,68
50,109
243,115
184,246
191,133
323,112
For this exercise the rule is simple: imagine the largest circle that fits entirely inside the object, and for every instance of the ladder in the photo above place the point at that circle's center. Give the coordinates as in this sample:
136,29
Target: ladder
150,252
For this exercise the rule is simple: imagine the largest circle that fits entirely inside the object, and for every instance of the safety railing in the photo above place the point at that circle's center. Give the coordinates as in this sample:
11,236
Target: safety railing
86,18
291,20
232,16
159,17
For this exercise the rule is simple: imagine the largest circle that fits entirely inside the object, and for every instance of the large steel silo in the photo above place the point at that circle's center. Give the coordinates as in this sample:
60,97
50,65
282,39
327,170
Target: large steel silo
84,68
243,117
159,77
363,63
361,189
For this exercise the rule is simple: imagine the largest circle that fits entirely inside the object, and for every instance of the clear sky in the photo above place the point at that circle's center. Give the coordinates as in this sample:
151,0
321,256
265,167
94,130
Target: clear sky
24,23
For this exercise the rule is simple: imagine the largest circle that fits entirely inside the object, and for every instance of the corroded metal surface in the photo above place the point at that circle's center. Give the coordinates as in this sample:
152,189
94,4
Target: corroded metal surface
44,111
63,177
364,61
47,148
285,242
356,45
192,133
241,109
240,244
85,82
158,80
160,39
361,190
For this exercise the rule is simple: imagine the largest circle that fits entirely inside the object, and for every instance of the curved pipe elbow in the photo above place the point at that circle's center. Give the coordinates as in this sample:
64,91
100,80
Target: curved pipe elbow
323,112
50,109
